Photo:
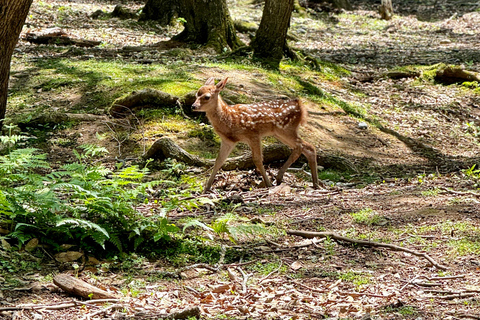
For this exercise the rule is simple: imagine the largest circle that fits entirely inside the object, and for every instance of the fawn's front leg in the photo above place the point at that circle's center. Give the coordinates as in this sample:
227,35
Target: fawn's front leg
225,148
256,147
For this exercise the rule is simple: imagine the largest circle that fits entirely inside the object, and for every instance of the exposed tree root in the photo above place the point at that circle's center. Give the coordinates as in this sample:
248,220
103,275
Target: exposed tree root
335,236
145,97
166,148
452,74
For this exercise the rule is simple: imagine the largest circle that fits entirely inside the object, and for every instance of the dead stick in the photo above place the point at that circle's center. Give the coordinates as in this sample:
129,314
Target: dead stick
446,278
455,296
56,306
245,279
105,310
335,236
353,294
268,275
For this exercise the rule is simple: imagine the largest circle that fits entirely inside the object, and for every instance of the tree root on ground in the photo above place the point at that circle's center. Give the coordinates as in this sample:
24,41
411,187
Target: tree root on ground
335,236
166,148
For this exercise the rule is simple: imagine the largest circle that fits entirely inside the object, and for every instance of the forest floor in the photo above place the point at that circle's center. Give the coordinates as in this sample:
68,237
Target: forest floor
413,185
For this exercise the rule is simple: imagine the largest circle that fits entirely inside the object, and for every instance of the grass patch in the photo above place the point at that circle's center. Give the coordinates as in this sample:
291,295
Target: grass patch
266,268
431,193
367,216
403,310
465,246
331,175
96,82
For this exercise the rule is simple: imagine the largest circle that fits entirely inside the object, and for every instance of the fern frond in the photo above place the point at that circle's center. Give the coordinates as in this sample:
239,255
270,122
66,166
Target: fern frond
85,224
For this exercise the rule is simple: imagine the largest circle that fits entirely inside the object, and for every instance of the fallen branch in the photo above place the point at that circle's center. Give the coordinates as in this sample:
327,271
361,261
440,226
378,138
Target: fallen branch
58,37
80,288
353,294
456,296
460,193
335,236
102,311
63,305
245,279
193,312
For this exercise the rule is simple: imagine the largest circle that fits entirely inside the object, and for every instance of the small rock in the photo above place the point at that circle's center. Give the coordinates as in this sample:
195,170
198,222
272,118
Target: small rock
362,125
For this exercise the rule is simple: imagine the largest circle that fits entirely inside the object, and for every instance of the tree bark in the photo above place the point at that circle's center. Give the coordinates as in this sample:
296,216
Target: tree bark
162,11
12,17
270,44
208,23
386,9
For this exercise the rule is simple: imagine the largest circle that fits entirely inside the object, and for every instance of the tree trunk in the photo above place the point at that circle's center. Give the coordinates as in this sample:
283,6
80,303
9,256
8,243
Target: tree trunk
163,11
386,9
12,17
208,23
270,42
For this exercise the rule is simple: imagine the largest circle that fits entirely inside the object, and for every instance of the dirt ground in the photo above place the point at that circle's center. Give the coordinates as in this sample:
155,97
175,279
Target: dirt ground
419,198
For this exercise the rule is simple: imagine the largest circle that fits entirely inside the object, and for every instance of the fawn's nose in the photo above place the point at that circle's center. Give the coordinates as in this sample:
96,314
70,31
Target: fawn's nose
196,105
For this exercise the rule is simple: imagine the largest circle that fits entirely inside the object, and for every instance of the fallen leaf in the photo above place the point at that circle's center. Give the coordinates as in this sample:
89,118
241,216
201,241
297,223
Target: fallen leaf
296,265
68,256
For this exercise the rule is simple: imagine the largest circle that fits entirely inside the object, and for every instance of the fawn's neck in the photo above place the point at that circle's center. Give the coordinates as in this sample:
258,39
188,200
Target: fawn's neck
220,115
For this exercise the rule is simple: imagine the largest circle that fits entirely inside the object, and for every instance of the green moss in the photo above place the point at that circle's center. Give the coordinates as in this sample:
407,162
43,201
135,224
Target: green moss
96,83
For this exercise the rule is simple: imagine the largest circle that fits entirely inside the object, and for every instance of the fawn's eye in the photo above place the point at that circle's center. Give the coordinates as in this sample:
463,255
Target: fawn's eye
207,96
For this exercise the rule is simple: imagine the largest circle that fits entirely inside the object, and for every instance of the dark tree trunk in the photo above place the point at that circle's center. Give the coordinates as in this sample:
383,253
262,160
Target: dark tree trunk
208,23
12,17
163,11
269,44
337,4
386,9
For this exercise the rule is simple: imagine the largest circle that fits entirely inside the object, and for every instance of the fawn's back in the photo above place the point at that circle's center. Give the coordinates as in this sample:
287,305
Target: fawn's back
239,122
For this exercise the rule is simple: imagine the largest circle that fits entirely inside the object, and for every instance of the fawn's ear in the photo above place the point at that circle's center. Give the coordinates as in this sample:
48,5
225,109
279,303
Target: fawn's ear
221,85
210,81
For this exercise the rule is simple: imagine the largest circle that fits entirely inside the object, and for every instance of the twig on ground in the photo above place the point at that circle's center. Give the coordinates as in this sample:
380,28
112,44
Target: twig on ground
57,306
105,310
353,294
468,315
268,275
335,236
409,282
460,193
199,265
446,277
455,296
245,279
239,264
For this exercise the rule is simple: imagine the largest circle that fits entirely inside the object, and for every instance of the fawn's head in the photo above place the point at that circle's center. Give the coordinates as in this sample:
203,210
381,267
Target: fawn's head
207,95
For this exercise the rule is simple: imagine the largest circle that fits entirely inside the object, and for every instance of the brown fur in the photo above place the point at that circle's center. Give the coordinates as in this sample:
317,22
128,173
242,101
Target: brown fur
250,122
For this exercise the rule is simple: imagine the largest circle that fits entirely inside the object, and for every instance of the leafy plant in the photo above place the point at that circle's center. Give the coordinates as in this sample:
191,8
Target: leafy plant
472,172
81,202
229,225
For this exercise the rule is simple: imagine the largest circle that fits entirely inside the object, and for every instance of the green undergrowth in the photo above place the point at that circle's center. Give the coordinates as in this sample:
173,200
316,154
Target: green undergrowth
107,212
